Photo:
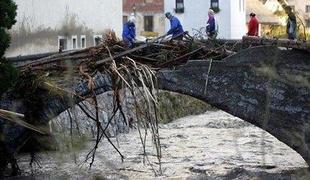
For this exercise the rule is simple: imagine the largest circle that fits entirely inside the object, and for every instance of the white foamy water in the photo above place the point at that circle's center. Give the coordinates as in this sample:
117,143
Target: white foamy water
214,144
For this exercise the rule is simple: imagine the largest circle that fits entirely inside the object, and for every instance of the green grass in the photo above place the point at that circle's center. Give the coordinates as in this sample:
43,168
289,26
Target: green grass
173,106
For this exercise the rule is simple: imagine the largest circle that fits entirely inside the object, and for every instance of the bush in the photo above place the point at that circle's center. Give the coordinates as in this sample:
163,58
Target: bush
7,20
280,32
8,73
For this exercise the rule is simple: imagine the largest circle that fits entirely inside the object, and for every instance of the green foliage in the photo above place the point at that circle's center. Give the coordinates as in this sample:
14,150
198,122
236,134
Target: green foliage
280,32
280,13
303,36
8,73
4,41
173,106
7,20
7,13
8,76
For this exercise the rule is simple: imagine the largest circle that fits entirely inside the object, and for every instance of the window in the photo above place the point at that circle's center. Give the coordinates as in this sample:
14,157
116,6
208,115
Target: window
125,19
307,21
83,41
307,8
74,42
97,39
148,23
62,43
148,1
179,6
214,4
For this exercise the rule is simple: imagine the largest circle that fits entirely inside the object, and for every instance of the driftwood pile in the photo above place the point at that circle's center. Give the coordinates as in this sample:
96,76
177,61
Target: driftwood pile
152,53
155,54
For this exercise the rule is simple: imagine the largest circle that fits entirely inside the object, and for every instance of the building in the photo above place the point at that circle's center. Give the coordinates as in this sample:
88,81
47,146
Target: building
150,19
265,16
46,26
193,14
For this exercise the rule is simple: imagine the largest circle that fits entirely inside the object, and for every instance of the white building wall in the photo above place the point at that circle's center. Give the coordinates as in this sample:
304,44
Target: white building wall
238,19
42,19
224,20
195,14
231,22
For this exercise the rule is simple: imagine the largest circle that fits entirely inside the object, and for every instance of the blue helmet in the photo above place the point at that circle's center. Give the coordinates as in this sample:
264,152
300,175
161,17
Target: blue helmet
168,14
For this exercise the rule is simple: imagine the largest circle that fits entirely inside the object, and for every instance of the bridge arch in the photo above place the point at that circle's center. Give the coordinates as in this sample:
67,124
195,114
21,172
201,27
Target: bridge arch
265,86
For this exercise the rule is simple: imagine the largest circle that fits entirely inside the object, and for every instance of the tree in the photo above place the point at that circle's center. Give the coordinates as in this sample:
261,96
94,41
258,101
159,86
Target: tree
7,19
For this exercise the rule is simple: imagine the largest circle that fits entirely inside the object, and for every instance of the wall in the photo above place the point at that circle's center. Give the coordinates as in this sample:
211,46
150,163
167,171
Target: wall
40,22
158,22
238,18
224,19
195,16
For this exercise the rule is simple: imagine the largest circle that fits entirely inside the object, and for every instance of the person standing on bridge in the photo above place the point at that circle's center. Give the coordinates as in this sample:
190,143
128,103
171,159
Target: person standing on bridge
129,32
176,28
291,25
253,25
212,26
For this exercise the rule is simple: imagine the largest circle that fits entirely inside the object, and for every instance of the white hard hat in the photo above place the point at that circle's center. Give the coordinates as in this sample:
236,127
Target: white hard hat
132,19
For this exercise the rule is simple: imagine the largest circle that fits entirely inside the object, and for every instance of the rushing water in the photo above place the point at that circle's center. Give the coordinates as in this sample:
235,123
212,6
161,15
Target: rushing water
212,145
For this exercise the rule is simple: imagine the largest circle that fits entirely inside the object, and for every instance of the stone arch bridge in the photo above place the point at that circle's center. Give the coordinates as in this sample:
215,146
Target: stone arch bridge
264,85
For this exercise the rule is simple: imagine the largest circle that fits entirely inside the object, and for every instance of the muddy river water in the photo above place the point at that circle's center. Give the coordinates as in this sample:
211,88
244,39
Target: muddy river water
214,145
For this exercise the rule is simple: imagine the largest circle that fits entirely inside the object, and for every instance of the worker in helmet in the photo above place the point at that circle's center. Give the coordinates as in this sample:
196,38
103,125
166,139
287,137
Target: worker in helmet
129,32
176,28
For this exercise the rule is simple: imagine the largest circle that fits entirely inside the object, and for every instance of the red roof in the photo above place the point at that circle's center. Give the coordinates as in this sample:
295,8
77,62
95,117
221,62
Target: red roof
143,6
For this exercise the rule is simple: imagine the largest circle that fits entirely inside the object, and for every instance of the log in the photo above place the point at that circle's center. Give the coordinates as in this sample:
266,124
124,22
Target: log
181,57
303,45
16,118
122,54
11,113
